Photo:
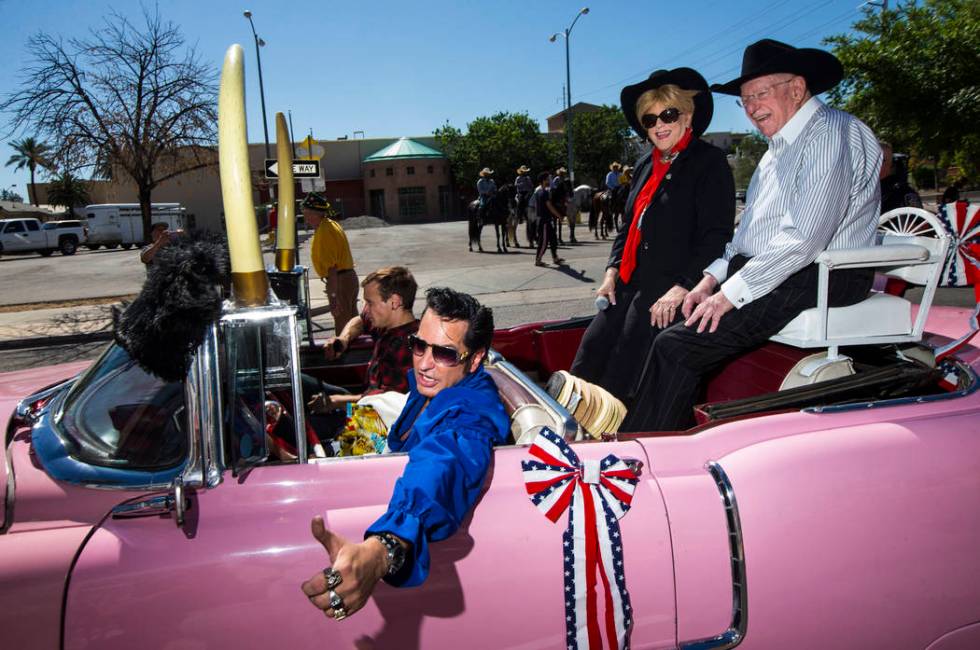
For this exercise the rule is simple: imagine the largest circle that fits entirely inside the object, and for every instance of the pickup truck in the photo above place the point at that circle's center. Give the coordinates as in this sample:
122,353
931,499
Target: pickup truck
26,235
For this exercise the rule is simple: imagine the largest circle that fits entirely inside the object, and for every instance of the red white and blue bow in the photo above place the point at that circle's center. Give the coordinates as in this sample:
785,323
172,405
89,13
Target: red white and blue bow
598,493
962,222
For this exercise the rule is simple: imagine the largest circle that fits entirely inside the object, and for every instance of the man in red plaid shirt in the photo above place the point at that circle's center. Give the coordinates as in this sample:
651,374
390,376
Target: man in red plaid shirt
387,316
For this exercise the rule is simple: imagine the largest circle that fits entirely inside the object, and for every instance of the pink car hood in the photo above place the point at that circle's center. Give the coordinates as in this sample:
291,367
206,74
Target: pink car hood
15,386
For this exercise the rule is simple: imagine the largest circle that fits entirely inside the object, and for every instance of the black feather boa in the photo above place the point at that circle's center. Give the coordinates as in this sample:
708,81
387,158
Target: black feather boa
185,286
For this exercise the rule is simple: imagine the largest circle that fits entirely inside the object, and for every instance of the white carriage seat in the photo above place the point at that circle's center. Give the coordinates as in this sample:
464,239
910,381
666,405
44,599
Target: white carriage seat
881,318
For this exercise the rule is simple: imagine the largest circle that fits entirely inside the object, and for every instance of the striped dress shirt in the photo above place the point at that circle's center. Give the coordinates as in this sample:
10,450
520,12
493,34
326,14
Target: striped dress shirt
815,189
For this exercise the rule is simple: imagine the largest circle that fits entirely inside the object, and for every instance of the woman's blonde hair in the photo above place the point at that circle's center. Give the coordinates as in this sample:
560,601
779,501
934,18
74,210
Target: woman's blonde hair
670,95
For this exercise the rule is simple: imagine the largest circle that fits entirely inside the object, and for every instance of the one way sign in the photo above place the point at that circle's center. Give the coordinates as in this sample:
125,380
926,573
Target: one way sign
301,168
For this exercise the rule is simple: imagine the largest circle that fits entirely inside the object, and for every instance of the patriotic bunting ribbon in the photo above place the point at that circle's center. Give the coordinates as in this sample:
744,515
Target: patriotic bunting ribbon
597,493
962,222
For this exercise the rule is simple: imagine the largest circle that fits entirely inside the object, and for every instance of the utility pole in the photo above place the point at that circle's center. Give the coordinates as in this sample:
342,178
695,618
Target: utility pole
568,88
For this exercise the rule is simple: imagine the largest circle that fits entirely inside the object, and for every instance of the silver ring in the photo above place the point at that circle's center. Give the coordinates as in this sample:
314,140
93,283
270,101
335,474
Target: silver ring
333,577
336,602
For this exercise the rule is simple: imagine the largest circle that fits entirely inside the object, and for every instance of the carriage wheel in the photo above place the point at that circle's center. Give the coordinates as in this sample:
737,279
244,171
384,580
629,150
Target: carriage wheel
911,222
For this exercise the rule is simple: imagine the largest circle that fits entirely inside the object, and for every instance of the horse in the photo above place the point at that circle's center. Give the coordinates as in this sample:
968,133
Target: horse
509,194
601,218
582,198
619,197
495,211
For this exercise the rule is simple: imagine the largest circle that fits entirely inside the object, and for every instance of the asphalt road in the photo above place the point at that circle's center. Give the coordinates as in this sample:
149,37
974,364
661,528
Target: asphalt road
437,254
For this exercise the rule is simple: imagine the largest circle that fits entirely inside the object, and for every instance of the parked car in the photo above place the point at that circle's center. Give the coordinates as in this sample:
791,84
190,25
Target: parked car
842,513
121,224
29,235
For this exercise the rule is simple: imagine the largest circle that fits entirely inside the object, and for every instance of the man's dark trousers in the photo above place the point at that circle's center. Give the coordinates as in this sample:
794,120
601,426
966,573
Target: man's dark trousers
680,359
546,236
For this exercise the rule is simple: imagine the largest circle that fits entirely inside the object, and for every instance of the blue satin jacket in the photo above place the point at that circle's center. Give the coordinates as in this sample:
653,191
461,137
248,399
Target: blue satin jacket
450,446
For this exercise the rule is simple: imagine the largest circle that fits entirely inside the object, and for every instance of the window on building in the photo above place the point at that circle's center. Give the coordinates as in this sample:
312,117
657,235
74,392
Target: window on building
445,201
431,169
411,202
389,171
372,173
410,170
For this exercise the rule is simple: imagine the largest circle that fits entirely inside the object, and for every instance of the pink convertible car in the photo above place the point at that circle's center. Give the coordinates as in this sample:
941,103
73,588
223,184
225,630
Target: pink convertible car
828,498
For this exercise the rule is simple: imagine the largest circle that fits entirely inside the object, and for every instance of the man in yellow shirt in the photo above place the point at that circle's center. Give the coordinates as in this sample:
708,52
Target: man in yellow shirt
332,260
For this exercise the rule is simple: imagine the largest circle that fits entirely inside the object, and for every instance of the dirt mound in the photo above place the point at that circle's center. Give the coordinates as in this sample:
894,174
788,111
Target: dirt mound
363,221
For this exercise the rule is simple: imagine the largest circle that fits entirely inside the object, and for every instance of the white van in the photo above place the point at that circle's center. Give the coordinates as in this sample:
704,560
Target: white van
121,224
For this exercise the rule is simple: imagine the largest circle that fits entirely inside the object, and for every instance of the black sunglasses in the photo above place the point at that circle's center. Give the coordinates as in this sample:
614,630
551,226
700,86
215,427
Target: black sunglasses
441,354
667,116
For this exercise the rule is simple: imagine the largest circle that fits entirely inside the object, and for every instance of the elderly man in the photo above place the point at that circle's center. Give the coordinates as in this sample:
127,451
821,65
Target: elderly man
331,256
449,426
815,189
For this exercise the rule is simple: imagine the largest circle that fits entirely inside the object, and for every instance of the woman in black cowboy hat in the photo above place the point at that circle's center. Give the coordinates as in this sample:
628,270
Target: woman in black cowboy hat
680,213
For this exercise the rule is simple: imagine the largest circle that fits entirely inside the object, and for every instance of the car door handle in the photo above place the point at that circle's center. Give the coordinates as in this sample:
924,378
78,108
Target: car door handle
634,464
174,502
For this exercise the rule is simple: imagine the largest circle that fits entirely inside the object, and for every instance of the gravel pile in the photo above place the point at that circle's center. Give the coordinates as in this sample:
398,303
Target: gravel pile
364,221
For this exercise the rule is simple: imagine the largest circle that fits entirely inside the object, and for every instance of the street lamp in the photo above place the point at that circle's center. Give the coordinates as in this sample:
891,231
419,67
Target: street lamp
258,57
568,87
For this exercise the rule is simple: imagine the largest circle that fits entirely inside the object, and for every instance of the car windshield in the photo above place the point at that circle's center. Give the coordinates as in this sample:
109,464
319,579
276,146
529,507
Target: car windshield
118,415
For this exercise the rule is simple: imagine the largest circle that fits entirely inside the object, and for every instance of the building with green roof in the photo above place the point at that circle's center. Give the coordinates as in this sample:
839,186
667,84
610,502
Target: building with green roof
407,181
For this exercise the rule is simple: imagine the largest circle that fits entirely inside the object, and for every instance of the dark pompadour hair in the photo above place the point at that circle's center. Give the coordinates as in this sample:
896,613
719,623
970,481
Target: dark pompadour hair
447,303
543,176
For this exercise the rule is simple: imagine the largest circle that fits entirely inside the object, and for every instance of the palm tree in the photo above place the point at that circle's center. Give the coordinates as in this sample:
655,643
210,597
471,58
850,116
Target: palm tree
68,190
30,154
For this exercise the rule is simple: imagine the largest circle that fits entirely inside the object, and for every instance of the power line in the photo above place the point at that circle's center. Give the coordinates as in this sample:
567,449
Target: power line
727,52
799,37
707,41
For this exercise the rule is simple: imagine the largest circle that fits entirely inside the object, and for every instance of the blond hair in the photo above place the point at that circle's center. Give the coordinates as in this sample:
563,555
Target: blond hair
670,95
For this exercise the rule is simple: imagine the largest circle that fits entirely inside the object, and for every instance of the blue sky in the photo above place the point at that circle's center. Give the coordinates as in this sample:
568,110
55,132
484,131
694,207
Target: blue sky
392,68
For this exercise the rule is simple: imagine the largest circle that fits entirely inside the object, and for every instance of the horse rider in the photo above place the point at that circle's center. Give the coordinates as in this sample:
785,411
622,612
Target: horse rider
626,178
487,189
612,178
525,188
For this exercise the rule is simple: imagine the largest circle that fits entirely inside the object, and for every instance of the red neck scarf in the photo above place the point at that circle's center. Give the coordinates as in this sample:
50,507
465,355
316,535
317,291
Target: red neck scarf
643,199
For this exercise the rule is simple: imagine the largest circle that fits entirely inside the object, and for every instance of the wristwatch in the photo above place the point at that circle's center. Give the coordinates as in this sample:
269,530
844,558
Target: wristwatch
396,552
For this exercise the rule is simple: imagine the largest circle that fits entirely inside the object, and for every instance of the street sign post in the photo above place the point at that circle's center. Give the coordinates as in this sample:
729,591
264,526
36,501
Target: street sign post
301,168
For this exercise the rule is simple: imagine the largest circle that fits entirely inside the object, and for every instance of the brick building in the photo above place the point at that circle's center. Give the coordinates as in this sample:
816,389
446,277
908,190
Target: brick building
408,181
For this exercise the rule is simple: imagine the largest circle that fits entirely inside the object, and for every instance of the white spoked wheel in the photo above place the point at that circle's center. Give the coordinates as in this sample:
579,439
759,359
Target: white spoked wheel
911,222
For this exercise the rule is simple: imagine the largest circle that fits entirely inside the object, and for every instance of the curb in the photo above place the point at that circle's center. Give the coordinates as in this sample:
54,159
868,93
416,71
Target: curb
54,341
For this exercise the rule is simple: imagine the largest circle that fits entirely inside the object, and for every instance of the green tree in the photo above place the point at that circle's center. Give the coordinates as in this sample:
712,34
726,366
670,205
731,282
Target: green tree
502,142
747,155
601,137
68,190
31,154
911,75
10,195
131,97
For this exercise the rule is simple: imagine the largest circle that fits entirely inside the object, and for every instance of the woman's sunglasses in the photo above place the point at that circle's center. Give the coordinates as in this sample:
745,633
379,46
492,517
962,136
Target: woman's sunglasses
441,354
667,116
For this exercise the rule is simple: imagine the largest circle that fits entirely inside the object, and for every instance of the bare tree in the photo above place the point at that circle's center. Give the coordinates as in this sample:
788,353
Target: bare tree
137,101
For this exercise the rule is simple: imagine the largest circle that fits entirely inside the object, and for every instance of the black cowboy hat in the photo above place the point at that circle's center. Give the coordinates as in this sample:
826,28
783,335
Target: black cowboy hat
821,69
314,201
685,78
